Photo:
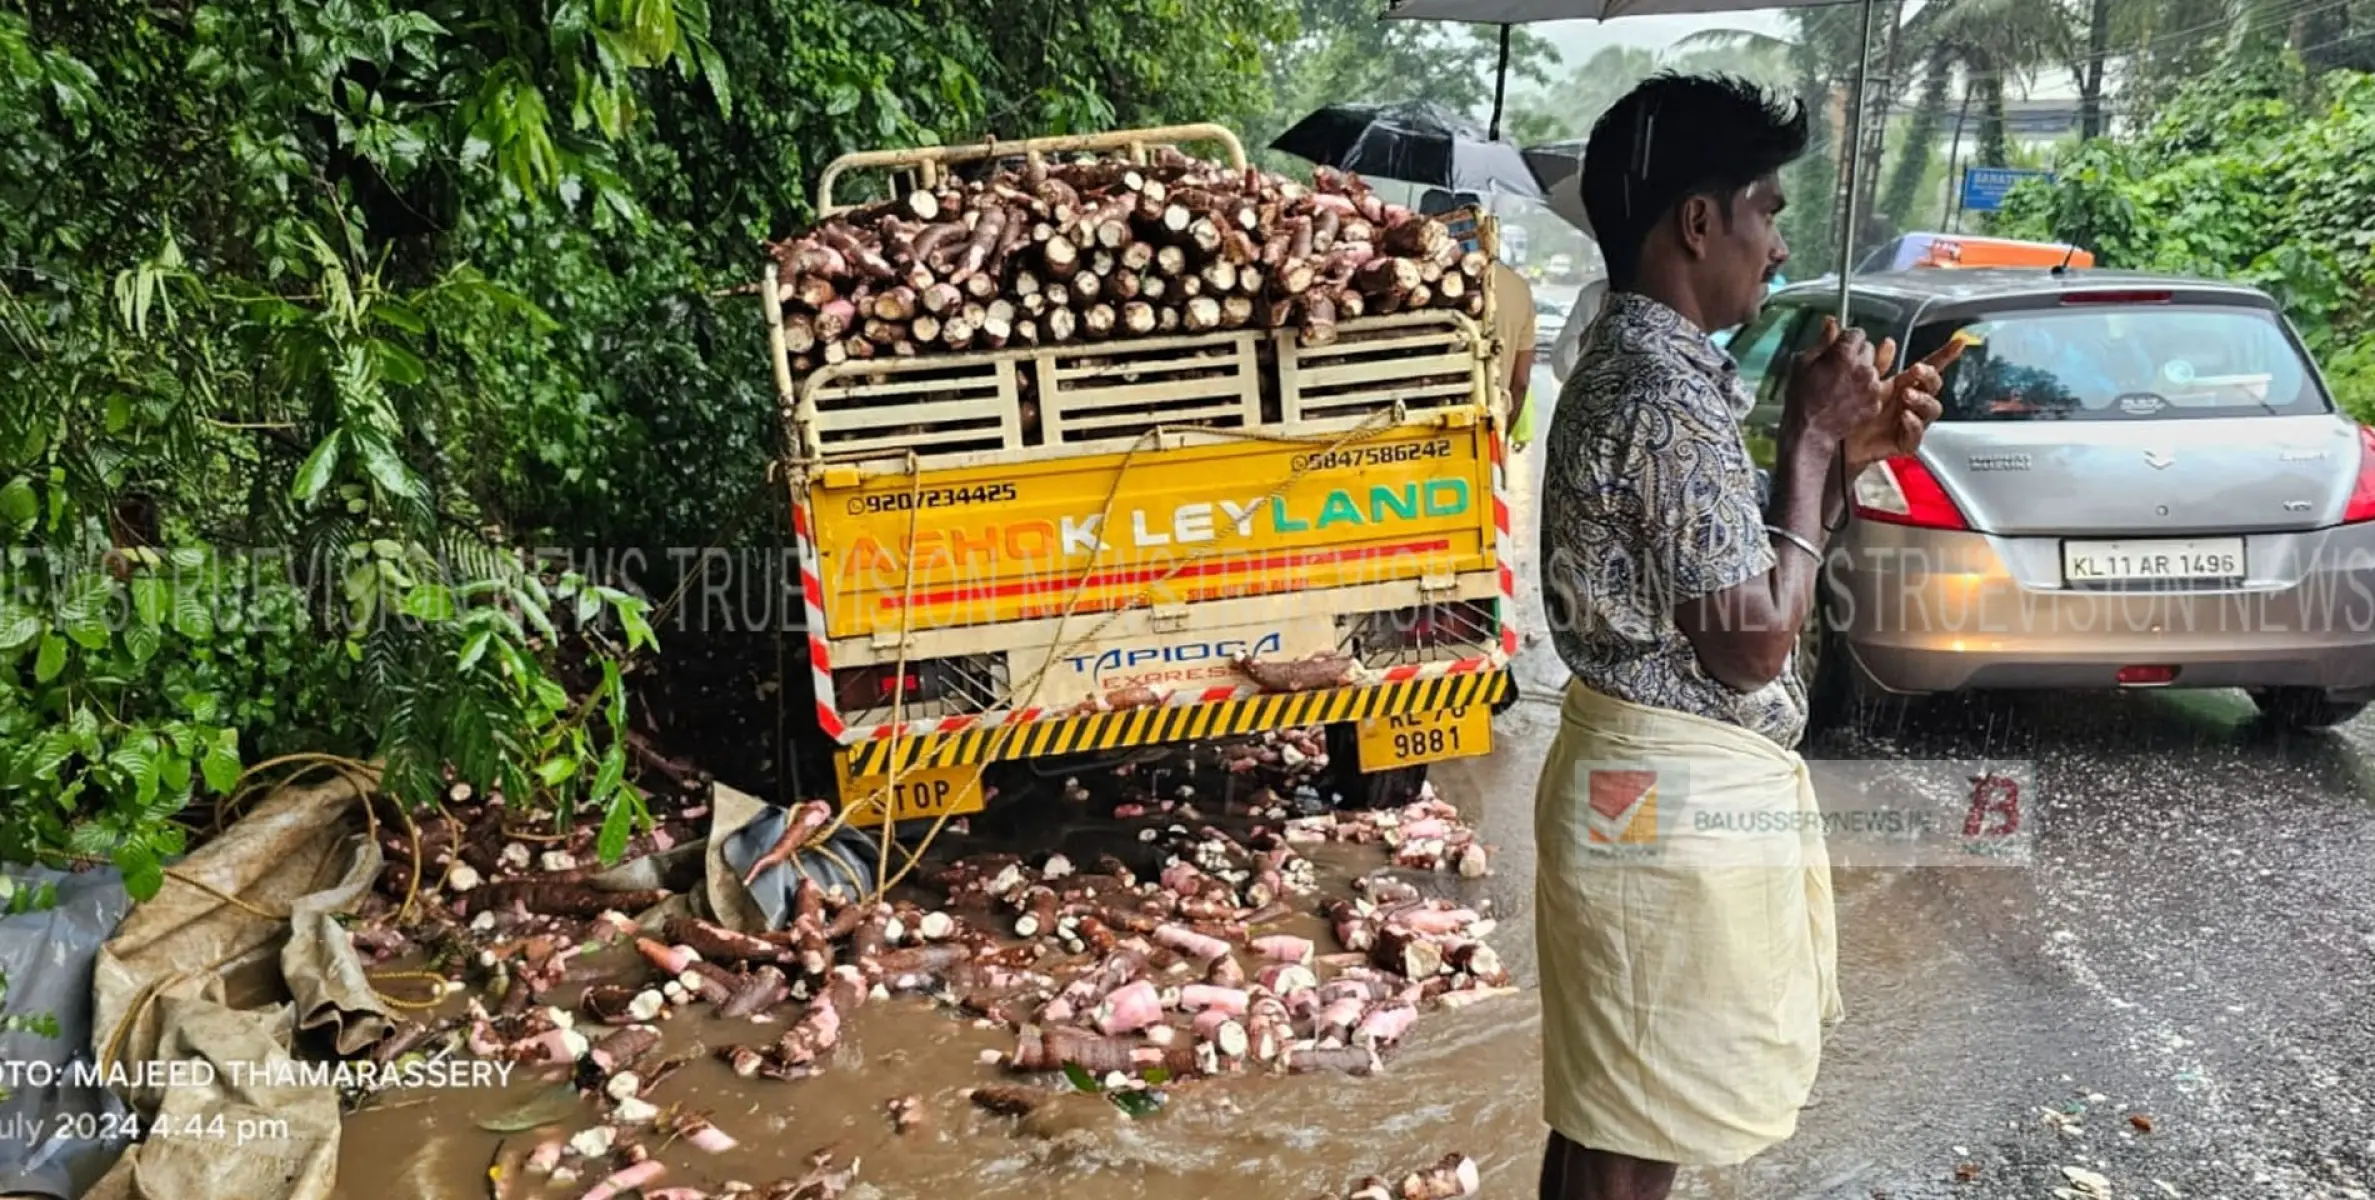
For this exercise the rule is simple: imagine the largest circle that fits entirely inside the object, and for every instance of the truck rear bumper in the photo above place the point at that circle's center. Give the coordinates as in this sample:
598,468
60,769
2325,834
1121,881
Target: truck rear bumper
1156,725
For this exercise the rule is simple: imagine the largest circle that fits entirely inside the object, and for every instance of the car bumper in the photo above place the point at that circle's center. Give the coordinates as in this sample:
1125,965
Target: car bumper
1924,611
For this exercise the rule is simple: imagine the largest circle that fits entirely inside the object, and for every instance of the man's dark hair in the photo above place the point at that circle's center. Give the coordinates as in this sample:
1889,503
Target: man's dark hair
1673,137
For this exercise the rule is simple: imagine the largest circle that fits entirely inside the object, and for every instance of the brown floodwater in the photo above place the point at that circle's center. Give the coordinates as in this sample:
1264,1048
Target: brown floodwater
1923,1014
1464,1080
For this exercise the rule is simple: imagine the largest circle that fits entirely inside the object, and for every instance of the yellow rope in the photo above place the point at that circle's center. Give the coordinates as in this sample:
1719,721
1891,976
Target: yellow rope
412,886
250,781
148,996
177,876
358,778
885,800
409,1005
888,800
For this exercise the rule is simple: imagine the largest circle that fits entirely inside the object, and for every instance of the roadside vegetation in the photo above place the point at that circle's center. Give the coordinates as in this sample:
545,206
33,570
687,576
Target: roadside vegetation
2258,172
314,315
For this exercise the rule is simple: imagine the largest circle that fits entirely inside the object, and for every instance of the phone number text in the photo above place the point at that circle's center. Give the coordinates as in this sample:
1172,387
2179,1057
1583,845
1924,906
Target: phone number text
1372,456
947,497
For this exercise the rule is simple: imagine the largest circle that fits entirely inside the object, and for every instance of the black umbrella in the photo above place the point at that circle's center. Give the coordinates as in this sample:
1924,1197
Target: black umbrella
1415,141
1552,162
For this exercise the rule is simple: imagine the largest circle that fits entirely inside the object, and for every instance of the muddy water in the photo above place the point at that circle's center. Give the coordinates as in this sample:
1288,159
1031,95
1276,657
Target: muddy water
1922,957
1463,1081
1466,1080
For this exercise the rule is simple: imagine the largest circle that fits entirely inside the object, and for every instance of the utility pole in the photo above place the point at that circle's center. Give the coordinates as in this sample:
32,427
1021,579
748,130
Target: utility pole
2090,93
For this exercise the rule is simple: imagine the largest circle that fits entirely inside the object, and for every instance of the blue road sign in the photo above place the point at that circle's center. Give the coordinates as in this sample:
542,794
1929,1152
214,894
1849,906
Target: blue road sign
1984,187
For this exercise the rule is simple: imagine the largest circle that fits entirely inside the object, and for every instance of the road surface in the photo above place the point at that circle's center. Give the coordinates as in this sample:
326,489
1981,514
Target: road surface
2192,943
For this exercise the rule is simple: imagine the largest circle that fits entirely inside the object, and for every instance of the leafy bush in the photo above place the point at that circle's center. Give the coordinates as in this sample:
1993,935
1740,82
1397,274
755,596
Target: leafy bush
314,312
2257,173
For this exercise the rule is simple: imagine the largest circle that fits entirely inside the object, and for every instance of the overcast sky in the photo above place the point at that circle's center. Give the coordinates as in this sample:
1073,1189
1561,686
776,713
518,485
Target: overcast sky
1579,40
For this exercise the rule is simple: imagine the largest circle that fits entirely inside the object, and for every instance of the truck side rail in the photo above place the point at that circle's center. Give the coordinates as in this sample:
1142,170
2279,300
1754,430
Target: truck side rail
1024,404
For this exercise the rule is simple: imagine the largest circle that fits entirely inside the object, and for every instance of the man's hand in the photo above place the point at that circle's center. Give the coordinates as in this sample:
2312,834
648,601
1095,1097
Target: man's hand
1908,402
1835,389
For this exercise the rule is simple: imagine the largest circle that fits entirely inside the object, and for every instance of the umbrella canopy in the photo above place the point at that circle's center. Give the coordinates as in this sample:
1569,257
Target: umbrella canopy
1553,162
1565,198
1415,141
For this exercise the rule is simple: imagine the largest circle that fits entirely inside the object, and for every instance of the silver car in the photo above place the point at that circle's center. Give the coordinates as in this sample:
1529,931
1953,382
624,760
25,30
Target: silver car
2138,482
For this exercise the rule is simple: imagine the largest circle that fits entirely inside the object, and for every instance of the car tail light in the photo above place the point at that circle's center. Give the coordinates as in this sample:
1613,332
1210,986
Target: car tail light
2127,297
2362,494
1901,491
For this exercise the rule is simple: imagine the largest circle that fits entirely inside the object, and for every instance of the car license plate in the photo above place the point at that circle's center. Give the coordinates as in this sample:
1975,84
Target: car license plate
2158,558
1409,739
922,794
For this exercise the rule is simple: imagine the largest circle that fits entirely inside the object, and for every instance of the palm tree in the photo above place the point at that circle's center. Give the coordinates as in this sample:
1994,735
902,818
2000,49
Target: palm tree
1820,55
1566,109
1921,134
1992,40
1977,43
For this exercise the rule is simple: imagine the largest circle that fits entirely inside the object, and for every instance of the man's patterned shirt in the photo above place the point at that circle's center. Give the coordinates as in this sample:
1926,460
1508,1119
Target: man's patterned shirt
1650,499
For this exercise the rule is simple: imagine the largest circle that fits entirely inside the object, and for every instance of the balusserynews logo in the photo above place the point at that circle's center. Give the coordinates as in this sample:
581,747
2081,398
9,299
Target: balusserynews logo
1623,807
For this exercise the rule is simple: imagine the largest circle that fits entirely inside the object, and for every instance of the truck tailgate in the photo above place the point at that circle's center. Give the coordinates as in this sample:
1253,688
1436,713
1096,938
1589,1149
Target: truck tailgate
1250,517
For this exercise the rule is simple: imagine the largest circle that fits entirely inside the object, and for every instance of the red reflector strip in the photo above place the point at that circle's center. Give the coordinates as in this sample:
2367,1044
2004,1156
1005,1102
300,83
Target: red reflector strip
2136,676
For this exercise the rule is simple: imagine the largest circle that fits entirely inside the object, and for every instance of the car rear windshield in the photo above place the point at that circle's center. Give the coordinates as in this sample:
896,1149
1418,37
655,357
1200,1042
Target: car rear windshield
2148,362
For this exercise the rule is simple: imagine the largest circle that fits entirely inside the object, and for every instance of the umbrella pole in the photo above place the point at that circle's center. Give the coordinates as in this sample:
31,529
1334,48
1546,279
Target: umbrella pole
1855,158
1500,84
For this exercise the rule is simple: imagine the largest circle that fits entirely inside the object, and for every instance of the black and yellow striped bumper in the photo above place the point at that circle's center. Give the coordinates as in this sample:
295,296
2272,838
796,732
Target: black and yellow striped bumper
1174,723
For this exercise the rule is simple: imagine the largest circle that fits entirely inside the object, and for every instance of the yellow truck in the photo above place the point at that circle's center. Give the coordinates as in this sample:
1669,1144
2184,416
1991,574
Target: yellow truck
1070,549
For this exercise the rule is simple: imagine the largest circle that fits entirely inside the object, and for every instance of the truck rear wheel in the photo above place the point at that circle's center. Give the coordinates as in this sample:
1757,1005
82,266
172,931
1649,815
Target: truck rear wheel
1377,789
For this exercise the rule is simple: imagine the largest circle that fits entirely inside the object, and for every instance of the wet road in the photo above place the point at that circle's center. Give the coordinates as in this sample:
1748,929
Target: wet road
2193,942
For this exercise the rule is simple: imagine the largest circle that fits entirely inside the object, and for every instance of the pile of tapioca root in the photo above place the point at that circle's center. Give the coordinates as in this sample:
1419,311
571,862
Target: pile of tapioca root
1175,959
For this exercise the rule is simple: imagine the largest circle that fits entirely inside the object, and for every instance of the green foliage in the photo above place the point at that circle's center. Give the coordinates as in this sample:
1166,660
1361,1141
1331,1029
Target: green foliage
312,312
227,380
1143,1101
2255,173
1338,51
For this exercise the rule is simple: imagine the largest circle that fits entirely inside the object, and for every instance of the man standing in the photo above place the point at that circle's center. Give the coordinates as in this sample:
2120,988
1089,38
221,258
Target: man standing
1683,901
1513,323
1513,309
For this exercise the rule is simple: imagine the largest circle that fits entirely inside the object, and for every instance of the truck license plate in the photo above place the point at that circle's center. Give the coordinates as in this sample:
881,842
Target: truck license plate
2155,559
1409,739
923,793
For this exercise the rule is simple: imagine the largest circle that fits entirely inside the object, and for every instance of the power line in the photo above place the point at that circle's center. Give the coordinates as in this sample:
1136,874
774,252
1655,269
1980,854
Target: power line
2111,101
2285,11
